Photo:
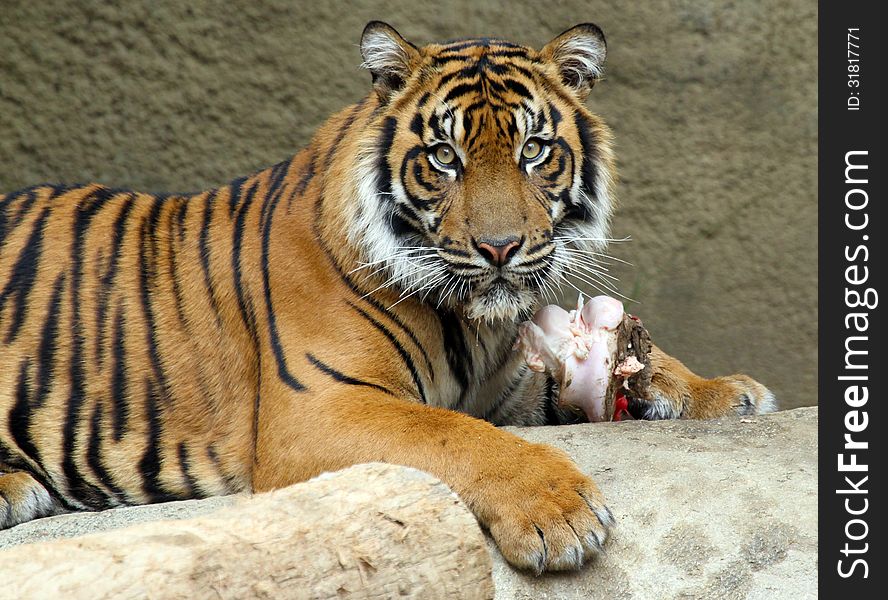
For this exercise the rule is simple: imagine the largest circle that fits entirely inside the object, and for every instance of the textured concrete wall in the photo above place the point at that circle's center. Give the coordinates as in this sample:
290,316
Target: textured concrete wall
713,105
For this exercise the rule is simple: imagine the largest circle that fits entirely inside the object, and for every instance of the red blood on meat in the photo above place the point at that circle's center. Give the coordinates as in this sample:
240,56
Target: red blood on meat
621,405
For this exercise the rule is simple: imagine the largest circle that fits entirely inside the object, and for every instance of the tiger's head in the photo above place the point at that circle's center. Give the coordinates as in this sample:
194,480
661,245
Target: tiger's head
483,180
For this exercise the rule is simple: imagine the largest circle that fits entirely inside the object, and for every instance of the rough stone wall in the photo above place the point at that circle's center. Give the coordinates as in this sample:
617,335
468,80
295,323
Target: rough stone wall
713,105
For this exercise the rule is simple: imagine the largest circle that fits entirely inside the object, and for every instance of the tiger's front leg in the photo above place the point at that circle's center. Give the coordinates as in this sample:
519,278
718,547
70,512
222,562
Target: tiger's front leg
543,513
678,393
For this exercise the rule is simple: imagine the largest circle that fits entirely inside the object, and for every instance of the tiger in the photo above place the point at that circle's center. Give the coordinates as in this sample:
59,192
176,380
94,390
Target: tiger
357,302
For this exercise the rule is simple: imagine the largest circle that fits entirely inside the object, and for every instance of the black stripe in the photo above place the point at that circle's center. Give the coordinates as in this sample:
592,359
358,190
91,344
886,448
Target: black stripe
569,154
435,126
178,301
25,207
468,128
94,456
417,125
481,42
588,143
555,115
78,487
204,247
24,273
463,89
245,306
403,353
277,349
459,355
381,308
383,146
276,189
469,72
465,44
341,377
232,482
244,303
517,88
151,462
420,177
536,248
536,261
180,218
107,280
401,226
440,61
119,386
276,178
508,67
303,182
148,264
20,415
185,467
234,194
509,54
551,413
21,437
48,344
417,203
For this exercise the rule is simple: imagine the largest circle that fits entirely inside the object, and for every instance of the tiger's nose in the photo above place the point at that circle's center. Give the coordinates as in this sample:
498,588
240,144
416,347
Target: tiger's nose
498,252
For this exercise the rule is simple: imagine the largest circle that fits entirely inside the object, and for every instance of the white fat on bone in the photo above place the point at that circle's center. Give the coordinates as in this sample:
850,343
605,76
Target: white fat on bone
578,349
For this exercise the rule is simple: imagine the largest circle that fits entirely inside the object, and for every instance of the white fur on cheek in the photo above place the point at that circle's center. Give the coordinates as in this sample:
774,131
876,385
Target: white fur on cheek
592,234
369,229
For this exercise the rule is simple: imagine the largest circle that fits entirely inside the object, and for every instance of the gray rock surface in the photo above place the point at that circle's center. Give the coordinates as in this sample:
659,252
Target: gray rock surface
713,104
706,509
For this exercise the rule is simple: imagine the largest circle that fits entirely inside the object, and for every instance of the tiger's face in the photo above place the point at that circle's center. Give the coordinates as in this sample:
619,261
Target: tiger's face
485,180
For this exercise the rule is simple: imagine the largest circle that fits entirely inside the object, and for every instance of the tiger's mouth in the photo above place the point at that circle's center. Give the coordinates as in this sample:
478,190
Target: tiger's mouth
503,297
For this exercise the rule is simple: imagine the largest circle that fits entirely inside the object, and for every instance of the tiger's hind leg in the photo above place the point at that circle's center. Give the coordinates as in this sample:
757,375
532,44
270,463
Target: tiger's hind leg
23,498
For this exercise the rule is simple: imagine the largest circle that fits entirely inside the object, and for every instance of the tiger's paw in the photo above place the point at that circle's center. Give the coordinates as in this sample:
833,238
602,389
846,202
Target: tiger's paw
22,499
546,515
703,398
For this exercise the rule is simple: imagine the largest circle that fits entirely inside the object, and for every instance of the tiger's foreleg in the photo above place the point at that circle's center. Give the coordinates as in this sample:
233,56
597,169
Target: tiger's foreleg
23,498
676,392
543,513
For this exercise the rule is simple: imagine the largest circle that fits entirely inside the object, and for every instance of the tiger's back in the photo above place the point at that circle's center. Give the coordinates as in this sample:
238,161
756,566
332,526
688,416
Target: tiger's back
111,322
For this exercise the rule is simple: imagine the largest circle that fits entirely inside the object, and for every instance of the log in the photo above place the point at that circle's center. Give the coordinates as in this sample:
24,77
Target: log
370,531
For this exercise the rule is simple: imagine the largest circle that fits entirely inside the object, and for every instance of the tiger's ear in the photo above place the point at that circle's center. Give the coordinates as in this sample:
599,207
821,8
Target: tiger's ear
388,56
579,54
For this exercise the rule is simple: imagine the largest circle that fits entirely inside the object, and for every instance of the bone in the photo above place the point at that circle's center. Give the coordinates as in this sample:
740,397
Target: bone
589,352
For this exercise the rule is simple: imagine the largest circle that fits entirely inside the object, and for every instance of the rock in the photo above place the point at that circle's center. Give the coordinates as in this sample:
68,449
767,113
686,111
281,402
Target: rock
705,509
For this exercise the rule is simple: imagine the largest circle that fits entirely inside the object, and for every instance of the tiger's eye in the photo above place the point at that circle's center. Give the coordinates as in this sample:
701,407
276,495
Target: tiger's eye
532,149
444,154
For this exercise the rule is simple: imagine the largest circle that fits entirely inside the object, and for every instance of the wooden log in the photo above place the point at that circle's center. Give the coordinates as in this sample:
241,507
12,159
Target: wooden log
371,531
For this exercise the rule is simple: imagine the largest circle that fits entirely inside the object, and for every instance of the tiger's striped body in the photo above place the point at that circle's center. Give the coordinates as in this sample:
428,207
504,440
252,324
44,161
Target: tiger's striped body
167,347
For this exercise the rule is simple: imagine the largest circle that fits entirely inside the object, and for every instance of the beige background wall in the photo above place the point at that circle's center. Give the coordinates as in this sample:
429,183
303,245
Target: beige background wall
713,105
